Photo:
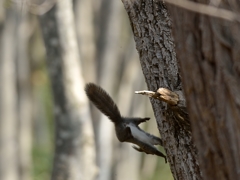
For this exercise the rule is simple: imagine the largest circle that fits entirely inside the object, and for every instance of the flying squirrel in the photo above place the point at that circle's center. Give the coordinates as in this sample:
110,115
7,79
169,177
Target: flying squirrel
127,129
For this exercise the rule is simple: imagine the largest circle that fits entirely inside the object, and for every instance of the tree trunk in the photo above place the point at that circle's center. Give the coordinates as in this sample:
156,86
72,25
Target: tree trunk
86,37
108,64
24,136
128,161
74,144
8,96
208,51
15,95
151,27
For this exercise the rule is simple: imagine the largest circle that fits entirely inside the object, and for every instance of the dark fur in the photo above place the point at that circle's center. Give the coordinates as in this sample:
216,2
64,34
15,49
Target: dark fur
103,102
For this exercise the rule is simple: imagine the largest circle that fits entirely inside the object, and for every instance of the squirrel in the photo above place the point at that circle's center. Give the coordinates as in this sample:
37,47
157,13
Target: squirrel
127,129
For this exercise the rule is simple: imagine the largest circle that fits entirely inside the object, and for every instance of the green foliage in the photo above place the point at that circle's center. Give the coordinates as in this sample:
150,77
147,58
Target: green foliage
7,3
42,152
42,160
162,171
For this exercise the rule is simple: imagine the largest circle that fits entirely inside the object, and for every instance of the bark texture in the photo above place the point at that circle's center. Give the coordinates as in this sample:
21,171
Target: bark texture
151,27
208,51
74,144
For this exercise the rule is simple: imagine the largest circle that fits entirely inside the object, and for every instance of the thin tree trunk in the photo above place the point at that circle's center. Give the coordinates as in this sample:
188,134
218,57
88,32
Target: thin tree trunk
24,97
151,27
128,161
8,96
15,95
108,64
208,50
74,144
86,37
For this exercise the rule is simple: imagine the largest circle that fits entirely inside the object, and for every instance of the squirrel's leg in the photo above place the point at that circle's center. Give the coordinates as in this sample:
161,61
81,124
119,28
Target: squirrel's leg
156,140
137,148
149,149
138,121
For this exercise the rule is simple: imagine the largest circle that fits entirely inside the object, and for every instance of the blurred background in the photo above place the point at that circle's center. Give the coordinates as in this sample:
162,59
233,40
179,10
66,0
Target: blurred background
106,56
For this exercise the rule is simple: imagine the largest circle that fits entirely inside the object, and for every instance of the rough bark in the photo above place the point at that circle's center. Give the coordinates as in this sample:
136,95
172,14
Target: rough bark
74,144
208,51
151,27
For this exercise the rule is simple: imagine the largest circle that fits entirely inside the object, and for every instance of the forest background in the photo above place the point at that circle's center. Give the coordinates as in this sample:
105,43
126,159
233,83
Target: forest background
50,49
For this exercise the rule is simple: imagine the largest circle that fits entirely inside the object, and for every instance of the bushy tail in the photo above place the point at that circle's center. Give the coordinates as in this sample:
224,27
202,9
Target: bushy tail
103,102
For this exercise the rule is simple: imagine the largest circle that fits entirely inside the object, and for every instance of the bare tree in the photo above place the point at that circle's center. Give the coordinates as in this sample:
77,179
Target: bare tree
24,114
84,17
108,64
208,51
15,95
8,121
74,144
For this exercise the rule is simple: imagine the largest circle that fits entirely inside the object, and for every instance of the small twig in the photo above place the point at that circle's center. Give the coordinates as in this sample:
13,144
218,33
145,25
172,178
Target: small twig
145,92
37,9
176,102
205,9
162,94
